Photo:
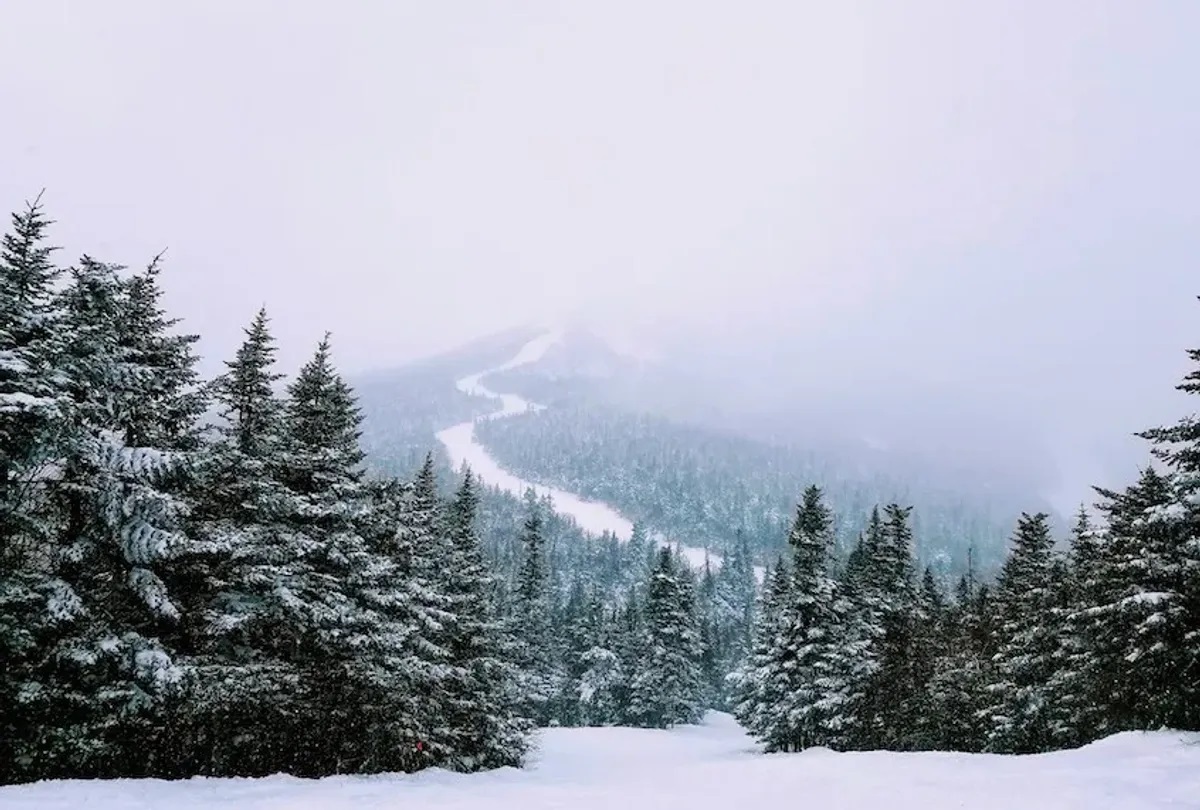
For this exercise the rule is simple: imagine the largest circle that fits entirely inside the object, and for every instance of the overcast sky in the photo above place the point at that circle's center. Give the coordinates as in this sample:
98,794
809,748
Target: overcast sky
1001,195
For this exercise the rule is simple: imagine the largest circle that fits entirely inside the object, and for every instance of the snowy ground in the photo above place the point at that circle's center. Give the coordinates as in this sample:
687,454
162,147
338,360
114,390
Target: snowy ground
699,768
463,448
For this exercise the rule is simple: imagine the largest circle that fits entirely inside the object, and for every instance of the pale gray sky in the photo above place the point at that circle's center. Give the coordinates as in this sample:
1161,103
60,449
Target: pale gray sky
993,195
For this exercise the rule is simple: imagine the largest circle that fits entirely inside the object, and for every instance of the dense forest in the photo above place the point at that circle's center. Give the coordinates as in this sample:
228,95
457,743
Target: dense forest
199,577
1061,650
209,577
705,486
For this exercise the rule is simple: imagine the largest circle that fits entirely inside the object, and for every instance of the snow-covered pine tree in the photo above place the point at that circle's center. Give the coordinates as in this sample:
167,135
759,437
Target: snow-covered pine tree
581,619
404,671
124,475
756,693
432,563
1079,688
667,688
957,688
639,553
35,603
536,644
603,682
1019,713
238,713
158,442
489,734
892,702
733,606
629,645
810,657
1174,567
930,637
863,585
329,581
1136,618
31,390
711,636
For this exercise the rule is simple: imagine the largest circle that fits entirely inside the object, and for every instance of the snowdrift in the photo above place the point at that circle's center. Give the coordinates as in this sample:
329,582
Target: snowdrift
709,767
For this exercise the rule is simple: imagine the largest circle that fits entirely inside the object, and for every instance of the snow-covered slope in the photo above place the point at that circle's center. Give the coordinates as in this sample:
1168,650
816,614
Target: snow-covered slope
709,767
463,448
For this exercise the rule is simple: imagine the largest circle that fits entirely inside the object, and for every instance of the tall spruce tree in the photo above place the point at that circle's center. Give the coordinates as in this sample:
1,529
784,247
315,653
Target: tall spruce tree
123,494
483,713
31,389
755,691
233,616
1020,716
667,689
537,648
886,685
1078,686
1172,570
808,657
1136,619
36,604
957,688
327,567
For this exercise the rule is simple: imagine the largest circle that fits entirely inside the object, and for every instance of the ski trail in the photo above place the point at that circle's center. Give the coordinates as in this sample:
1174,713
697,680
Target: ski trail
594,517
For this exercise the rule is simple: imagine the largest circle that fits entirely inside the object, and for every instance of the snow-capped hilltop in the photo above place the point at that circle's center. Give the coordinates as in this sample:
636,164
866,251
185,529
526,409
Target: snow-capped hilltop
577,352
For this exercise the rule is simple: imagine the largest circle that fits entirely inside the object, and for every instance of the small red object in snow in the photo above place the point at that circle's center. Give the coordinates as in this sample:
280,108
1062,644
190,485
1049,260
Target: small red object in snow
420,745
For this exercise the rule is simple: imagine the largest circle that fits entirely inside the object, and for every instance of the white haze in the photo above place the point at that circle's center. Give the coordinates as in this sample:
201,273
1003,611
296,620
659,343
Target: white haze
983,213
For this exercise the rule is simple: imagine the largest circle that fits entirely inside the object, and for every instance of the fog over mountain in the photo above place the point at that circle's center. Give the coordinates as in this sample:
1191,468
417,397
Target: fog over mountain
969,227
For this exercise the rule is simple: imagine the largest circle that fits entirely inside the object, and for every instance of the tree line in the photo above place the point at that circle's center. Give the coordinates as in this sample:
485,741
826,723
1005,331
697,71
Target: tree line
1065,647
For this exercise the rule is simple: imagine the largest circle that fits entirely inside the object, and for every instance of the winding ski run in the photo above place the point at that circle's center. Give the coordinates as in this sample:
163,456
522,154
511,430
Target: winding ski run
463,447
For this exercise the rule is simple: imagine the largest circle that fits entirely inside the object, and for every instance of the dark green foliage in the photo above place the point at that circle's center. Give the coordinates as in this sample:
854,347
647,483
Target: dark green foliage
236,601
667,688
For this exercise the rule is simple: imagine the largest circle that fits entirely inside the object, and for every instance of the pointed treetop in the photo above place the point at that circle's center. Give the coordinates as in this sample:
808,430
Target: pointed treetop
26,272
426,482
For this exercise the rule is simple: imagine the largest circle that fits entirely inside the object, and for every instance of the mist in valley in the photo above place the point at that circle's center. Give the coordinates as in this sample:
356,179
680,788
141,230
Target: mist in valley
961,232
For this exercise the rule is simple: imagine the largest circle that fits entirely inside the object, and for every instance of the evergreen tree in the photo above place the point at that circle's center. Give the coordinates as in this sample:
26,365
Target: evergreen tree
667,688
756,692
31,391
601,686
489,734
228,575
537,648
581,620
957,695
1079,684
712,637
930,636
805,675
1019,714
36,604
1171,570
124,496
894,700
320,617
1133,616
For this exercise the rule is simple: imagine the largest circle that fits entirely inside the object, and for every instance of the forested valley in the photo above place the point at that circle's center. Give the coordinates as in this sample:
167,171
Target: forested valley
710,487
